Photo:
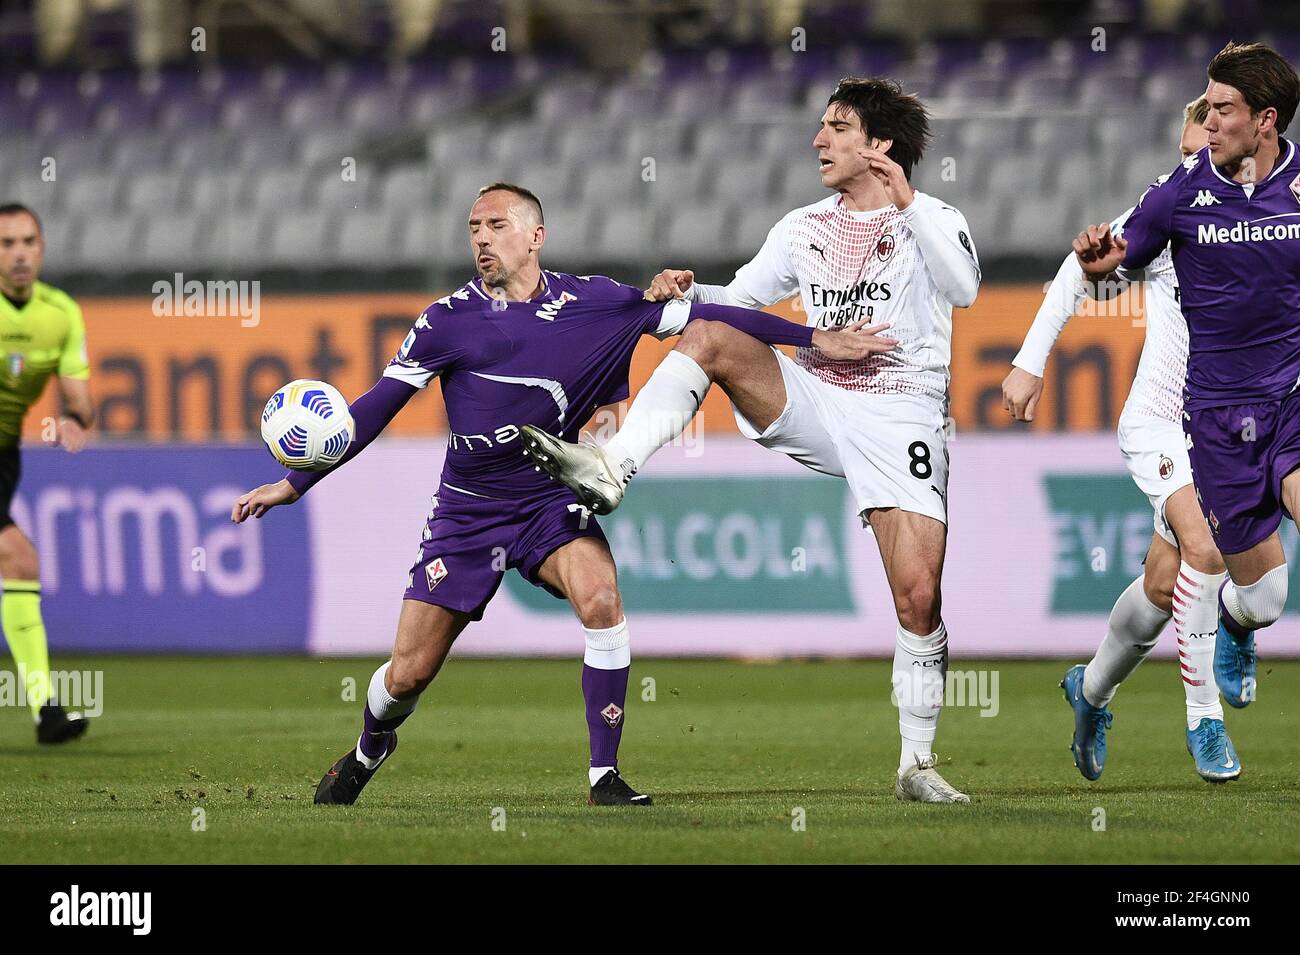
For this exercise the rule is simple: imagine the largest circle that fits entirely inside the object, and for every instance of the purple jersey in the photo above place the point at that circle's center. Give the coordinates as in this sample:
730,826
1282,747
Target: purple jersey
549,362
1236,251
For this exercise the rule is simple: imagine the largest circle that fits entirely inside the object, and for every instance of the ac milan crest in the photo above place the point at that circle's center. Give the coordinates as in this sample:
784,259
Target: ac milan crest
885,247
612,714
1166,467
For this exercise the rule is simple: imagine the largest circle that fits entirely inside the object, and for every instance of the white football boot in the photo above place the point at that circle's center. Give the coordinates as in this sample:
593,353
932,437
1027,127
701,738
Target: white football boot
922,783
583,468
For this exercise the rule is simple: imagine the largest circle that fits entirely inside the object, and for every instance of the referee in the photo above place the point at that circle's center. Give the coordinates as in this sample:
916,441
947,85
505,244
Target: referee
41,333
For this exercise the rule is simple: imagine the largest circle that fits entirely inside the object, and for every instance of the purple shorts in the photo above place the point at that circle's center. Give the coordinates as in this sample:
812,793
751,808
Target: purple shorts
470,542
1240,454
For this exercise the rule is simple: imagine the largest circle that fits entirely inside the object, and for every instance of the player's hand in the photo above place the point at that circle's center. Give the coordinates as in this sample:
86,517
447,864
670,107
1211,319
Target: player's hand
891,176
1099,251
1020,394
669,284
854,341
70,434
260,500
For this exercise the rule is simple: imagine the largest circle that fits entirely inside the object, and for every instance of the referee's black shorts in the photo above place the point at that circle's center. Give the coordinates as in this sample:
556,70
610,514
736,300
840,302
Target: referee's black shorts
11,469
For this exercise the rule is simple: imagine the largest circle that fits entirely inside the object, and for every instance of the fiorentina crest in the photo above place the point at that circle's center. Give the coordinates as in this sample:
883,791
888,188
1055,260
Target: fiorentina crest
612,714
1295,188
434,571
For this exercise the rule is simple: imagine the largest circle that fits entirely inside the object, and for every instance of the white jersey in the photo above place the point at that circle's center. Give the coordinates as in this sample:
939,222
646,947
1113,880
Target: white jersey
1158,385
906,268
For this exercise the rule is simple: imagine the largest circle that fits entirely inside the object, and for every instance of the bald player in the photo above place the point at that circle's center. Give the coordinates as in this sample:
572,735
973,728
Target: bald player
41,334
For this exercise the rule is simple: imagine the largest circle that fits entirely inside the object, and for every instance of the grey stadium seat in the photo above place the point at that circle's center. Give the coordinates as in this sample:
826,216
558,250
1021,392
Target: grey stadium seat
1037,226
301,238
108,243
369,237
407,186
698,232
625,234
157,192
171,242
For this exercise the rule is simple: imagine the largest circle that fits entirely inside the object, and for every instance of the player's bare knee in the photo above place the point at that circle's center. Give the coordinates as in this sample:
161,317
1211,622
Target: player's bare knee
702,341
1201,554
1159,587
918,608
18,559
599,607
409,674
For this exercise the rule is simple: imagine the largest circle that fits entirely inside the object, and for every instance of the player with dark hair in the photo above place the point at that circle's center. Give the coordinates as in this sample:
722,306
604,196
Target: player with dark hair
1230,215
518,344
1183,570
876,250
43,334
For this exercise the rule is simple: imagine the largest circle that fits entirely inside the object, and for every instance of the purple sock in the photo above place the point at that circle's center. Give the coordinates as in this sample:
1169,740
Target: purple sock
377,734
1235,630
606,694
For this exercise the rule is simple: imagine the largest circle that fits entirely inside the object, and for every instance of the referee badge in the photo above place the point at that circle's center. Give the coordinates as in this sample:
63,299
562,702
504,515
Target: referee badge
17,362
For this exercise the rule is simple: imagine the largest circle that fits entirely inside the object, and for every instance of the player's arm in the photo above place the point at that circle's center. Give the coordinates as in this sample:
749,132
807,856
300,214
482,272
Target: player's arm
371,413
853,342
78,412
424,354
768,278
1022,388
942,233
1149,228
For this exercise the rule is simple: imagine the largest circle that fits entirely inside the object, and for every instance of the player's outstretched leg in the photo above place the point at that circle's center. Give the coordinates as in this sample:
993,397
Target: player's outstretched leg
343,783
1215,757
425,633
585,469
1234,645
1090,725
24,628
583,571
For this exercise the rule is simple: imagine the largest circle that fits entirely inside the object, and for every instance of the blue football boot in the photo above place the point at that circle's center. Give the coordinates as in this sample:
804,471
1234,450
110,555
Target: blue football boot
1234,661
1090,725
1216,759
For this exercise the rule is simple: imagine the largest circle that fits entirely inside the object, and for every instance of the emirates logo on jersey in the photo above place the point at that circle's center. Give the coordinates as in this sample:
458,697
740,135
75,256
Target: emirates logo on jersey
885,247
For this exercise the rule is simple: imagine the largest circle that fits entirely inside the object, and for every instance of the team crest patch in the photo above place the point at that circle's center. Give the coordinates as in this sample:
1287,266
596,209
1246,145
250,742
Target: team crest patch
434,572
965,242
885,247
1166,467
612,715
1214,524
1295,188
17,362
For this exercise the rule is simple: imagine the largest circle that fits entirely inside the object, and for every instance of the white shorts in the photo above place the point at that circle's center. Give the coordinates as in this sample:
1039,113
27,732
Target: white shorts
892,449
1155,451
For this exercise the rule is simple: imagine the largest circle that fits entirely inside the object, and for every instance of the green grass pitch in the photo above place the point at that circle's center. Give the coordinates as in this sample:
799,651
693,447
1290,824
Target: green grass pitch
730,751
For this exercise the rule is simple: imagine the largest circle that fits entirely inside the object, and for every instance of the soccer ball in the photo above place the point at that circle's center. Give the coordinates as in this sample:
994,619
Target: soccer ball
307,426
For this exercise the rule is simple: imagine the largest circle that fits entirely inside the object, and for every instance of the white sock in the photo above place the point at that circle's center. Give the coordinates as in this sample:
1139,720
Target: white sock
1135,625
1258,605
1196,621
920,668
383,705
595,773
661,410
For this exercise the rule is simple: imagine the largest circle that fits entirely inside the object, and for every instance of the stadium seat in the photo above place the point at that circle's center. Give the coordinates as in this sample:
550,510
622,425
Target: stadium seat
409,186
302,238
1039,227
698,232
368,238
156,192
108,243
170,242
625,234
